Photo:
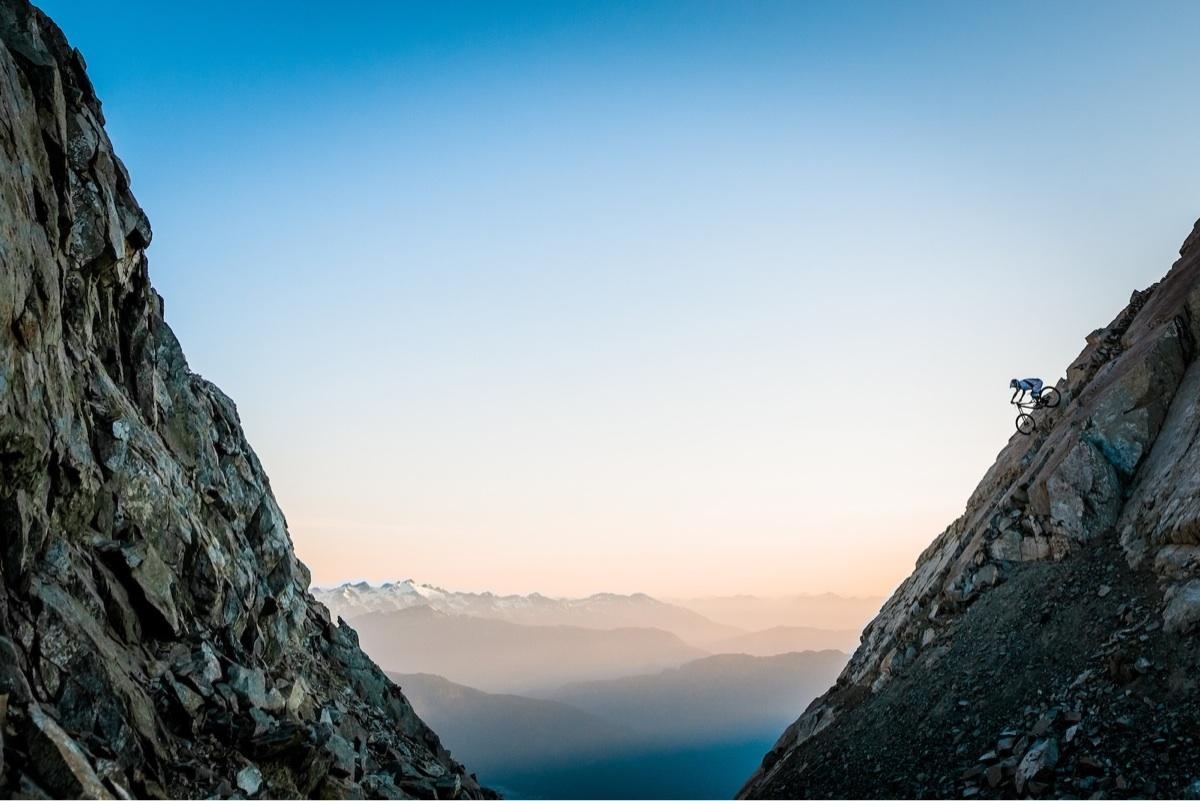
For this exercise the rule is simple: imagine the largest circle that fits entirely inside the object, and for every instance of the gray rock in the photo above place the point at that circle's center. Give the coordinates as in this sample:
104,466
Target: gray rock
250,684
249,780
343,755
60,763
1006,547
1038,763
1035,549
298,702
448,786
190,700
1183,608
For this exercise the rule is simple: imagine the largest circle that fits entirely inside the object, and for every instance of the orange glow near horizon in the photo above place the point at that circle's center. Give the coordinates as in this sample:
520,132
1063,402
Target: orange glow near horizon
339,551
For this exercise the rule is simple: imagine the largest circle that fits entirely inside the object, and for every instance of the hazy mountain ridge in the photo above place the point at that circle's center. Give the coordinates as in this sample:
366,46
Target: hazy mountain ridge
1044,644
499,656
771,625
715,698
694,723
504,730
599,611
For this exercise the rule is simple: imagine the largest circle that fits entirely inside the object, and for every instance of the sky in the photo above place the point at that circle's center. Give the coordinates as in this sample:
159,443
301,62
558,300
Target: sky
684,298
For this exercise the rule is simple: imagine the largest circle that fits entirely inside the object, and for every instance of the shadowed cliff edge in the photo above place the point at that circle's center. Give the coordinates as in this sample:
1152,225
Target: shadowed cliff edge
156,632
1044,643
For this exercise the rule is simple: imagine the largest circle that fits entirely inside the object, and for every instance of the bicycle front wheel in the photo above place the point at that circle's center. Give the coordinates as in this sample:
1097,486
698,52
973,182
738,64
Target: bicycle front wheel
1050,397
1025,424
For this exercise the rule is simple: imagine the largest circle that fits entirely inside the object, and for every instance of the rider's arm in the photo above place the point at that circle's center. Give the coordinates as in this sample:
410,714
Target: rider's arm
1016,392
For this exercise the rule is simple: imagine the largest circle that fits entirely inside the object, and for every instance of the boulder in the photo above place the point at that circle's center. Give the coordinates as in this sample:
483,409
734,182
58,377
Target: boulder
1037,764
61,765
249,780
1006,547
1182,613
343,754
250,685
153,581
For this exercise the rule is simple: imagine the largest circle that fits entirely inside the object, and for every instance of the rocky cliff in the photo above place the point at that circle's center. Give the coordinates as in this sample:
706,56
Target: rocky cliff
1044,644
156,632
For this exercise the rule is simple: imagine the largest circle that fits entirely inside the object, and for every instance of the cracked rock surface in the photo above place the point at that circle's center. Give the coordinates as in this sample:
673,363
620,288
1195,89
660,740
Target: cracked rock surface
1045,643
156,632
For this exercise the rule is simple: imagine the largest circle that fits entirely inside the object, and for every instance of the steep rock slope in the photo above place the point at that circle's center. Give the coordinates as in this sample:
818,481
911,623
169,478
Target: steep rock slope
1044,643
156,633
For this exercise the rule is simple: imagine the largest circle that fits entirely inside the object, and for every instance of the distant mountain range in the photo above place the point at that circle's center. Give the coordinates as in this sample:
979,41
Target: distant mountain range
601,611
500,656
715,624
693,729
534,644
509,731
717,698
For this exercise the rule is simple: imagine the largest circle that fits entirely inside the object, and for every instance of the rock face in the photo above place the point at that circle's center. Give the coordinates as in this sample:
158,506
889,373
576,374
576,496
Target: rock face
156,632
1044,643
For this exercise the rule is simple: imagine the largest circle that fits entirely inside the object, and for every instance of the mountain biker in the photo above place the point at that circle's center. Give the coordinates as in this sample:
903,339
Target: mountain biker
1022,385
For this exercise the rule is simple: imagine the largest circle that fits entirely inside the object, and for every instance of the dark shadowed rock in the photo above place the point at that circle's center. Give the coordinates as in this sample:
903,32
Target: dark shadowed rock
156,632
58,760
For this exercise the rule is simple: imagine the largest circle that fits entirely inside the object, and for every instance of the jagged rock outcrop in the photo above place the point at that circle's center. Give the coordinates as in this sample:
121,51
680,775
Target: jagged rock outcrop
156,632
1044,643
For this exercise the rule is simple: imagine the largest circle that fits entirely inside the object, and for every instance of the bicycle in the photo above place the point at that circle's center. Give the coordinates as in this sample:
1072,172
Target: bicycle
1049,398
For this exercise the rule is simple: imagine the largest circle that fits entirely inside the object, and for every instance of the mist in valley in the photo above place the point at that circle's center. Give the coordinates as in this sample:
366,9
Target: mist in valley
614,696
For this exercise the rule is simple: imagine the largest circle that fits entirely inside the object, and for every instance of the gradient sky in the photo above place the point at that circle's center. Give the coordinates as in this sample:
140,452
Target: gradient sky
686,298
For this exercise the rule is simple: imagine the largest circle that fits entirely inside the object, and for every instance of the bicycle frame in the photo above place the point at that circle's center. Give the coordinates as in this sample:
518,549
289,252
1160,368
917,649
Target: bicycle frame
1027,407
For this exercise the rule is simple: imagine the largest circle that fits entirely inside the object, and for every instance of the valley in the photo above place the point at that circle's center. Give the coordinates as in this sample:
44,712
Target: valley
609,694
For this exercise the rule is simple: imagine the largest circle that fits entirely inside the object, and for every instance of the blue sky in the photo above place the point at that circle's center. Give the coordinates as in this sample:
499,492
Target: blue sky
674,297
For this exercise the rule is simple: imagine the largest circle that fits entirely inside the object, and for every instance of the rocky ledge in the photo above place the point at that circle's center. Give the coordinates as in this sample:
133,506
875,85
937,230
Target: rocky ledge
157,637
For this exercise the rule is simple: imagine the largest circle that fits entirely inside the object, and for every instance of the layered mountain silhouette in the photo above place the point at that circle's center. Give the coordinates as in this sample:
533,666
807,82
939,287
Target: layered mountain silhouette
499,656
502,732
687,732
1044,644
717,698
157,637
533,643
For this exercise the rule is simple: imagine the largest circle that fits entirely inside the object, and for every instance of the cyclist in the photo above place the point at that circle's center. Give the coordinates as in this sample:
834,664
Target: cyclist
1022,385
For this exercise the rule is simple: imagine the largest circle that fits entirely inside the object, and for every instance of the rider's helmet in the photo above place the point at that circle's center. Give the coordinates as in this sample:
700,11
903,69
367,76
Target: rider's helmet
1015,383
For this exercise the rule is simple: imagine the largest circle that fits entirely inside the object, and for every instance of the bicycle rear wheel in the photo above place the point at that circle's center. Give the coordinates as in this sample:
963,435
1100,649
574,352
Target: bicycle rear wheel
1025,424
1050,397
